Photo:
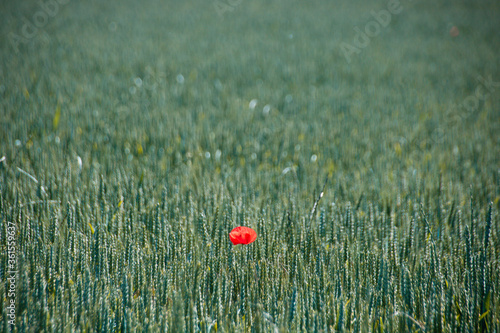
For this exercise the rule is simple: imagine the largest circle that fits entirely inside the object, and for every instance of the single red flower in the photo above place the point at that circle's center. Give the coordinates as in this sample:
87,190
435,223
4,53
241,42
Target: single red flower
242,235
454,31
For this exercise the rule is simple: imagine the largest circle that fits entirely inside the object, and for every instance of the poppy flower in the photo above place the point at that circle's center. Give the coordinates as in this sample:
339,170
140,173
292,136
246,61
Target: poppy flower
454,31
242,235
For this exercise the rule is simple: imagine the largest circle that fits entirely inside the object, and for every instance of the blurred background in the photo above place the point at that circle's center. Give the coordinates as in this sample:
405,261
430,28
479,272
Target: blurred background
366,87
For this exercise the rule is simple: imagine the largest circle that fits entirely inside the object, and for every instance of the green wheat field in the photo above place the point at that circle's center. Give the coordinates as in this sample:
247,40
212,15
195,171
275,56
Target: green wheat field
359,139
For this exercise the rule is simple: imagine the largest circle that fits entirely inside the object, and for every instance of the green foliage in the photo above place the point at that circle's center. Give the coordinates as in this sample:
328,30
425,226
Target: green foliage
123,194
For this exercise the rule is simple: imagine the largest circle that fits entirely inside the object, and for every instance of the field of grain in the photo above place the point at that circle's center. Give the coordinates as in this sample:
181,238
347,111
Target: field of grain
134,136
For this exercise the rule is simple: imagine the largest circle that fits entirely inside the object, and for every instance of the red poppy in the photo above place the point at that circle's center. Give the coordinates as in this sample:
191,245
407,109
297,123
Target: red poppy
242,235
454,31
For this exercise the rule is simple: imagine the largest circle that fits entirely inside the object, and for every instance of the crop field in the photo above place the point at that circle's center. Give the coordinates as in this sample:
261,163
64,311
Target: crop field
360,140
